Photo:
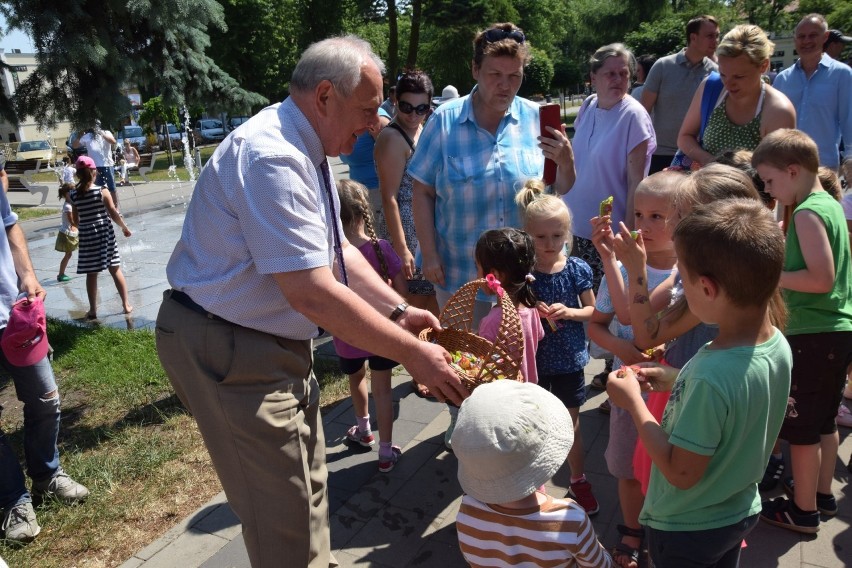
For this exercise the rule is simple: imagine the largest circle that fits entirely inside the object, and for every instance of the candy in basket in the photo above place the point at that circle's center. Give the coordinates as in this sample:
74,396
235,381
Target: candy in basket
476,360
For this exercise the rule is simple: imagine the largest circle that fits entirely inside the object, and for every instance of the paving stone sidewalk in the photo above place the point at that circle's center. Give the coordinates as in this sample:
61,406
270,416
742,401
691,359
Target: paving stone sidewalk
402,518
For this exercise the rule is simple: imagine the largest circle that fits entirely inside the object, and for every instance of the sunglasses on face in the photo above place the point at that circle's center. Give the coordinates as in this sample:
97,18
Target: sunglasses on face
496,34
408,108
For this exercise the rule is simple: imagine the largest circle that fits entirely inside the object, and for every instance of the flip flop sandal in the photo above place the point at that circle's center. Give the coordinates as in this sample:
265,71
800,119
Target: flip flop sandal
622,550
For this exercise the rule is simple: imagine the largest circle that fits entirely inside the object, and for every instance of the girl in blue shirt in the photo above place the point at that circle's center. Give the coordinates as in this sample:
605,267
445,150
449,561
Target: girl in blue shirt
563,286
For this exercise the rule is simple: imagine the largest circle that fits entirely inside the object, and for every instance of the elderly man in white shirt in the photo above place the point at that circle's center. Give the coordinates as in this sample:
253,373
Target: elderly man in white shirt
261,265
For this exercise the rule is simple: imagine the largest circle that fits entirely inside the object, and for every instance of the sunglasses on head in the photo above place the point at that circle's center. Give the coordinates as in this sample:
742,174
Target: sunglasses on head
497,34
408,108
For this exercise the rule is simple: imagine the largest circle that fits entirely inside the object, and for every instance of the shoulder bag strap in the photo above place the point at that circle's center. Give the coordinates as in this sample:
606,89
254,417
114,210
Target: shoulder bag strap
399,129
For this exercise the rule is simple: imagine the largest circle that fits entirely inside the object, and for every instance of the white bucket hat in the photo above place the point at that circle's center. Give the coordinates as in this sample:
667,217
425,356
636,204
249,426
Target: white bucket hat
449,93
510,438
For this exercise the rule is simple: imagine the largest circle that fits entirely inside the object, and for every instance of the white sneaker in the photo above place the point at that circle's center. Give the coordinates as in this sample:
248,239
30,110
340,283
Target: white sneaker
60,487
20,524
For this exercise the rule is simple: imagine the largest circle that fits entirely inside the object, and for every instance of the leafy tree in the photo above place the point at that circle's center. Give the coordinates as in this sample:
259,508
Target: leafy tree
538,74
768,14
545,22
319,19
446,50
259,49
658,37
838,14
88,50
155,113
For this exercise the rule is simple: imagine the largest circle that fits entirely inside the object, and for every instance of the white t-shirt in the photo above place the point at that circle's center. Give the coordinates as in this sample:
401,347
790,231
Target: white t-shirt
68,173
98,148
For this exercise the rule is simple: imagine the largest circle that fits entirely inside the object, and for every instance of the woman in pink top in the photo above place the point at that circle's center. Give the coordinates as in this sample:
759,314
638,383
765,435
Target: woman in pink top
509,255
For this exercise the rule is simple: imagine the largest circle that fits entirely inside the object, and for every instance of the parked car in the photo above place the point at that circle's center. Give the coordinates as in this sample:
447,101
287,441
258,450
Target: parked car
35,150
209,130
132,133
174,136
235,121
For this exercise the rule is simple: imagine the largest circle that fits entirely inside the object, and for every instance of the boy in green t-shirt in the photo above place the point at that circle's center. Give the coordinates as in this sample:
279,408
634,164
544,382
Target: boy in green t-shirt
817,284
728,401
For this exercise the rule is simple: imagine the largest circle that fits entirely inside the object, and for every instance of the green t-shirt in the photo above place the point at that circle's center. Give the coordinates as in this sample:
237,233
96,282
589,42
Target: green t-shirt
830,311
728,404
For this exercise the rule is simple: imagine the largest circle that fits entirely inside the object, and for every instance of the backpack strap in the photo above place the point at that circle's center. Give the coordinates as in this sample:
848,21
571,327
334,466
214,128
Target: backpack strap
712,88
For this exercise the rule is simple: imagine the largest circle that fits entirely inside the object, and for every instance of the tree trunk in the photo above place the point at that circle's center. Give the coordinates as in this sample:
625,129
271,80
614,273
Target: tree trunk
393,42
414,39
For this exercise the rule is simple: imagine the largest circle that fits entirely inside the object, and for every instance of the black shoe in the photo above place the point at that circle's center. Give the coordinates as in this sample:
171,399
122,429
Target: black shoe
781,513
772,474
826,504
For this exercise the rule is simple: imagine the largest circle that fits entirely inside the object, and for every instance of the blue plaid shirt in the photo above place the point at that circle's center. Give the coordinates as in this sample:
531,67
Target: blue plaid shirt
475,176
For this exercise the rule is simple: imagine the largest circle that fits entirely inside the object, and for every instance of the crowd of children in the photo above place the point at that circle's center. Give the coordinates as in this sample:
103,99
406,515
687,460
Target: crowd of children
711,370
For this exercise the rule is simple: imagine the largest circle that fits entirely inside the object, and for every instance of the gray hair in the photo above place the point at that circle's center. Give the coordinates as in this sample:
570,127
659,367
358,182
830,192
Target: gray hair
597,60
818,19
336,59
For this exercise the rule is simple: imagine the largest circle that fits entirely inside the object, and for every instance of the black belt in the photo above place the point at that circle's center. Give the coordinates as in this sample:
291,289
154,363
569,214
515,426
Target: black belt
187,302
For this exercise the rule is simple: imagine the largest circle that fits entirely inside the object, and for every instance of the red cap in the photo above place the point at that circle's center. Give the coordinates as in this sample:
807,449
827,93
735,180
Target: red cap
24,341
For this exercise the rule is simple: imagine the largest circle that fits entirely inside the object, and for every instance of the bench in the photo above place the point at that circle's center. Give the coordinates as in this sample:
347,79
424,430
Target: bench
24,168
19,174
21,183
146,164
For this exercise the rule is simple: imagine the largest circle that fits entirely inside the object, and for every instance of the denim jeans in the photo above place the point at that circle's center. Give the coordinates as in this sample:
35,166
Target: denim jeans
41,429
106,177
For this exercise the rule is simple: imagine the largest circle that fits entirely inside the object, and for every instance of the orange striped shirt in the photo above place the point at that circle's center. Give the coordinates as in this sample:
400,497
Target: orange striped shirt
555,534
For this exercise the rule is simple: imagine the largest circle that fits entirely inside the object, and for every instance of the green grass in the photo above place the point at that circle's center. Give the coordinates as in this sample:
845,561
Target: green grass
27,213
126,436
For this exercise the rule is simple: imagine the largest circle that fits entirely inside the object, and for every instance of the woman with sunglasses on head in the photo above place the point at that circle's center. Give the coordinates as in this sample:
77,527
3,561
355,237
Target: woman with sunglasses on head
474,154
394,148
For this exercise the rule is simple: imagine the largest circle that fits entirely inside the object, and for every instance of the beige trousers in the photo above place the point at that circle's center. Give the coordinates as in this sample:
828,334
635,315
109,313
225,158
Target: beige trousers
256,402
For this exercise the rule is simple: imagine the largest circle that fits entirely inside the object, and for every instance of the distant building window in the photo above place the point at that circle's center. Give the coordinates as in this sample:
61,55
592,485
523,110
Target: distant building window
779,53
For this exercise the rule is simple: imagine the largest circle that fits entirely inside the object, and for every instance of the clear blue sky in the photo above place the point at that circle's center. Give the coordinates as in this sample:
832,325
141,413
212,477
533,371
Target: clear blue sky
15,39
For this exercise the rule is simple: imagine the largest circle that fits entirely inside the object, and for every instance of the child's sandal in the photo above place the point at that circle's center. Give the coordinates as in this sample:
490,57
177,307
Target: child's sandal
622,551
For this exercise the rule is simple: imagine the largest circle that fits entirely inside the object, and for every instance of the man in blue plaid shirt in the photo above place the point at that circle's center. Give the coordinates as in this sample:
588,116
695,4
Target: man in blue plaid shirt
473,156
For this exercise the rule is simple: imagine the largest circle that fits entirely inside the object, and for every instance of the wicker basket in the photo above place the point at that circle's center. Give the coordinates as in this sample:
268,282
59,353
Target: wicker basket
506,352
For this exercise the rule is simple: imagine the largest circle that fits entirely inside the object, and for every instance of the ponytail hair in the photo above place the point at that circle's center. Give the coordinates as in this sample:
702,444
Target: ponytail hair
533,189
511,253
355,209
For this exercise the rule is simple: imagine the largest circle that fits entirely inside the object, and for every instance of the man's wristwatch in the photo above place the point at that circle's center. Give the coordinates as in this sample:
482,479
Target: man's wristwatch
397,311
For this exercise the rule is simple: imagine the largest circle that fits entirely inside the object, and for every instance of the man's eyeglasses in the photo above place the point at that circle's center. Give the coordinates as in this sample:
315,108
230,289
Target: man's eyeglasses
408,108
497,34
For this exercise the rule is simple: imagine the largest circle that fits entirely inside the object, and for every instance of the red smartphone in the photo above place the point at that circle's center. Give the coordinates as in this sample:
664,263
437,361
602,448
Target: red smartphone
549,115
